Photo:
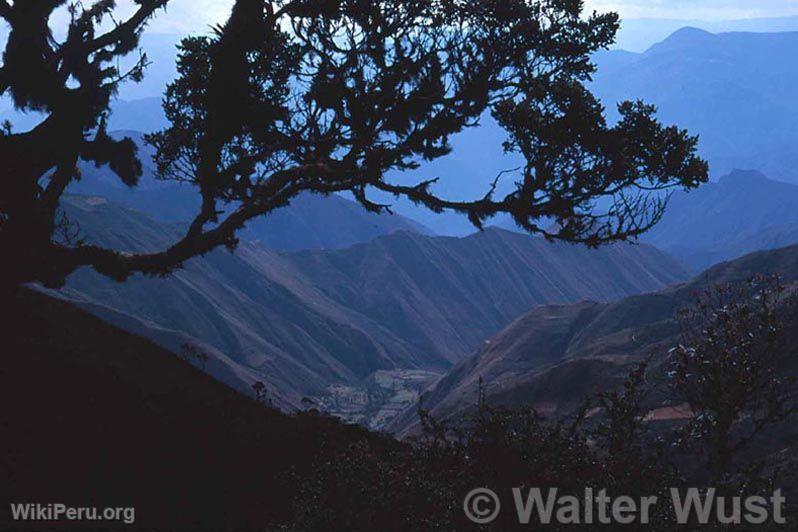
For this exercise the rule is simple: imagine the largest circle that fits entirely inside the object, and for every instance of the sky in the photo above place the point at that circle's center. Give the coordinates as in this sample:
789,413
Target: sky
190,16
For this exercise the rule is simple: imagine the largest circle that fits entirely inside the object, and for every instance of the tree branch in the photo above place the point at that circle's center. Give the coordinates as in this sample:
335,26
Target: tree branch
120,266
5,10
129,28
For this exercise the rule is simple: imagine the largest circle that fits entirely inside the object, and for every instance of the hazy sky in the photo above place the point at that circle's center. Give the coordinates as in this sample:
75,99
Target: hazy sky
195,15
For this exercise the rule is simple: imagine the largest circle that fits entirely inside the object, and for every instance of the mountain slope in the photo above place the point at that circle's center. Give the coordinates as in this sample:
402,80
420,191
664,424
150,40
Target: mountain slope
252,307
555,357
732,89
96,416
445,295
743,212
302,322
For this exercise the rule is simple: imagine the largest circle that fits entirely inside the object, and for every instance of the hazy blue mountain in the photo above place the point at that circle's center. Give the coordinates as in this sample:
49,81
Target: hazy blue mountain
306,321
638,35
735,90
145,115
743,212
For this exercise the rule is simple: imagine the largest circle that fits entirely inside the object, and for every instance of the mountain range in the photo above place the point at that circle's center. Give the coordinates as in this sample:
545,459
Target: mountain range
197,454
323,299
732,89
557,356
741,213
366,325
639,34
366,316
305,321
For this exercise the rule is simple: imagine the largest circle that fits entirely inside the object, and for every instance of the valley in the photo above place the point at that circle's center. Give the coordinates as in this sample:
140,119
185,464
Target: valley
358,313
330,266
302,322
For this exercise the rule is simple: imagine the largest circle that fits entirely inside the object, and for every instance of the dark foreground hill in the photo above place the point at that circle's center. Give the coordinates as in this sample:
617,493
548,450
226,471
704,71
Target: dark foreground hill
556,357
94,416
303,322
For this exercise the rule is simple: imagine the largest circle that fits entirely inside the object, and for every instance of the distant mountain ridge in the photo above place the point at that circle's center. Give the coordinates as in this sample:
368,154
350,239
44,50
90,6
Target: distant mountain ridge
741,213
639,34
735,90
304,321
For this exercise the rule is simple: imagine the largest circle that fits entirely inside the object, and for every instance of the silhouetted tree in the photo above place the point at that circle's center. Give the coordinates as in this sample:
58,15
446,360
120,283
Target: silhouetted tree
735,368
261,393
72,83
326,96
623,414
195,355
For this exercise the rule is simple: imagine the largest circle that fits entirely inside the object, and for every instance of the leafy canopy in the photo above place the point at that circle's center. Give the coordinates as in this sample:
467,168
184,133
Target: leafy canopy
328,96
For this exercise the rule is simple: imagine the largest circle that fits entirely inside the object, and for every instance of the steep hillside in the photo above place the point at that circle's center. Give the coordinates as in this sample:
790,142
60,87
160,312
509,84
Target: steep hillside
743,212
95,416
557,356
446,295
252,307
732,89
303,322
